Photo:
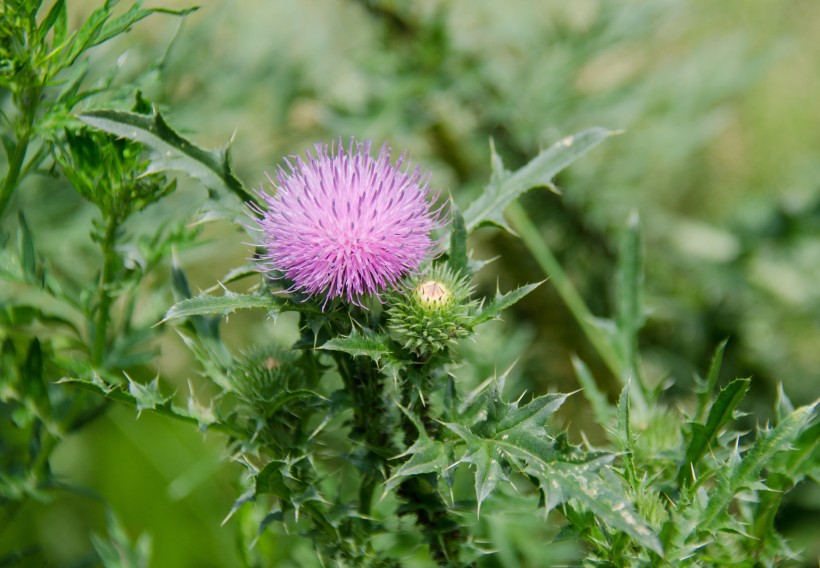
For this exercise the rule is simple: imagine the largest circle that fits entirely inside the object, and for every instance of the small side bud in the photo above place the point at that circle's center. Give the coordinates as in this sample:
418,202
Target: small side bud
432,312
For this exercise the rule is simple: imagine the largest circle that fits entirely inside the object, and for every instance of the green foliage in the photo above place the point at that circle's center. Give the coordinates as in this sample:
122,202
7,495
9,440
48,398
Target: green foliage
172,152
118,551
372,436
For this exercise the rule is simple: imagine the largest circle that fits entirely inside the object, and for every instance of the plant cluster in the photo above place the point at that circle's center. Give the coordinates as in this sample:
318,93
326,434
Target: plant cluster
362,438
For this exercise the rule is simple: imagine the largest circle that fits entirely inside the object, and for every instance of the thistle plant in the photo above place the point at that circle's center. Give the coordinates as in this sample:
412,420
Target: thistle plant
372,436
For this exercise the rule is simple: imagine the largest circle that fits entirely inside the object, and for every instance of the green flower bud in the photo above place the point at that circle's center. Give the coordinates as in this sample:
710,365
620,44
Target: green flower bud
261,374
432,311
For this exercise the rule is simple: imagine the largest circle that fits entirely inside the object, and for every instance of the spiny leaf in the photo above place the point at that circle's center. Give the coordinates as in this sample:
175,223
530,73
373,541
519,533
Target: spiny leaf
746,471
501,302
517,436
371,345
721,412
117,551
426,456
148,396
532,415
625,434
248,497
170,151
225,304
711,381
149,399
458,259
505,187
600,404
598,495
629,315
488,471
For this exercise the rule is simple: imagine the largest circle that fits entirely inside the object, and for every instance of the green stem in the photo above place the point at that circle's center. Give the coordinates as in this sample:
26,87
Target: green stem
364,385
420,493
573,300
103,316
15,167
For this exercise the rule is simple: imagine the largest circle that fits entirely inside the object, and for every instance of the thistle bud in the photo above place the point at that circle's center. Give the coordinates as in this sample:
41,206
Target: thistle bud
432,312
260,375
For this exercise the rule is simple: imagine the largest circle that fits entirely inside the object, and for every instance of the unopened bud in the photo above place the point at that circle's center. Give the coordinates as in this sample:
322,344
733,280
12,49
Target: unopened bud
433,294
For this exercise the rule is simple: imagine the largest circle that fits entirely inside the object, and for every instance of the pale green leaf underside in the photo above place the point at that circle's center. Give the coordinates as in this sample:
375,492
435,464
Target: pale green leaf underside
225,304
374,346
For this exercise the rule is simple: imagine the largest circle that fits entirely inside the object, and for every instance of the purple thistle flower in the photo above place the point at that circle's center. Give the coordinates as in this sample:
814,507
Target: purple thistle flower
345,224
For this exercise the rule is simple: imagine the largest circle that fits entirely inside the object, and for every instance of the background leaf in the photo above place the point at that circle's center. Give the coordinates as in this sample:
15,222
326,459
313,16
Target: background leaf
505,187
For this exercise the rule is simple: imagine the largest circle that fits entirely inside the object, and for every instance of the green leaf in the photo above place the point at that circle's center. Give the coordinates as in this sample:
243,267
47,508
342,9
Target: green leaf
505,187
117,551
135,14
85,37
24,300
28,255
598,495
501,302
373,345
625,435
705,395
457,259
226,304
721,412
426,456
271,481
488,471
517,436
745,472
205,341
597,399
170,151
97,29
531,417
33,378
146,396
803,459
629,315
55,17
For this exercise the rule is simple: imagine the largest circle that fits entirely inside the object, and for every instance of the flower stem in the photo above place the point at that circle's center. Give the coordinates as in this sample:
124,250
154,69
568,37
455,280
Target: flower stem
15,167
419,492
573,300
18,156
103,315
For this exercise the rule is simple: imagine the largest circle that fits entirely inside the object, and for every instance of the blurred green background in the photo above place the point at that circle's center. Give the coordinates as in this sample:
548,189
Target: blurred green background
720,103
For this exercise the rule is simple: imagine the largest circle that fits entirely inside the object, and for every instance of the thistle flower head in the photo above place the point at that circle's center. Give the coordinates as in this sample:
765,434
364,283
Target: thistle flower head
345,224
